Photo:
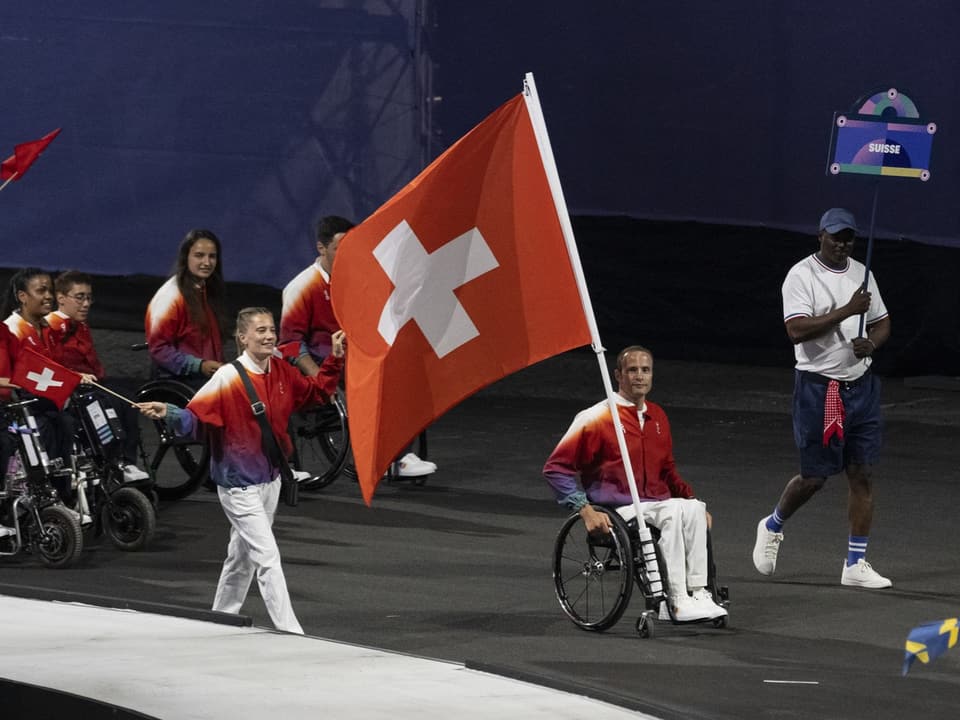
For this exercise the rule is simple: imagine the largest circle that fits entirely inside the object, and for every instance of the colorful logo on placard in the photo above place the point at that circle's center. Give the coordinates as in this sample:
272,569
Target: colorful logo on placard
884,135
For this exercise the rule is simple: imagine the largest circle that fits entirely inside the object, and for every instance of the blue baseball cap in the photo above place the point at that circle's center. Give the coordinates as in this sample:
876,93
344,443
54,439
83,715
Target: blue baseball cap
836,219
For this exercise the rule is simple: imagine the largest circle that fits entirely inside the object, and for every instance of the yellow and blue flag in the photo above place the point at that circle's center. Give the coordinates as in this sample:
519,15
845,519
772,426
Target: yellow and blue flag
929,641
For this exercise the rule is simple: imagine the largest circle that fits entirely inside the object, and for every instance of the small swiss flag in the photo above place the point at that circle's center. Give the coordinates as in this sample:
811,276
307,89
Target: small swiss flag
42,377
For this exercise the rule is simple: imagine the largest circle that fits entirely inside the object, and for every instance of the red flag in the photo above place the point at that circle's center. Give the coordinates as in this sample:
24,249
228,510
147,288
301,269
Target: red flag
460,279
23,156
43,377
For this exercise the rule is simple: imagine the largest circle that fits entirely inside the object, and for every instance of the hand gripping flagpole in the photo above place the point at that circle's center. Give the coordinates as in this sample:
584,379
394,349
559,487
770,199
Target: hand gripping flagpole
553,179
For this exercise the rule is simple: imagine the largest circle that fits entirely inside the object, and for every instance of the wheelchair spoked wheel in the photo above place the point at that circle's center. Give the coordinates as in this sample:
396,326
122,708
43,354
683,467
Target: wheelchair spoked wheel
321,442
593,575
177,465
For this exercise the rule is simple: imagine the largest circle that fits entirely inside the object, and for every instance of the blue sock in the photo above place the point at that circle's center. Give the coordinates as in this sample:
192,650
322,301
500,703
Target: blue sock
856,549
775,522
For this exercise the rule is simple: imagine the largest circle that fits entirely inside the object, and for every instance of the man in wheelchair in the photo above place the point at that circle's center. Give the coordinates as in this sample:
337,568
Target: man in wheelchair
589,451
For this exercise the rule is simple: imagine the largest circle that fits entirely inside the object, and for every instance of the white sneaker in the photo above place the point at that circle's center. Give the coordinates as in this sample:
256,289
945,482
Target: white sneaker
766,548
131,473
83,519
412,466
686,610
5,531
704,600
863,575
301,475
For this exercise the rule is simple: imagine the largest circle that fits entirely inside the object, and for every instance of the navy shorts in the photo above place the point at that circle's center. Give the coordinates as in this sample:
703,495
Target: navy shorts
862,426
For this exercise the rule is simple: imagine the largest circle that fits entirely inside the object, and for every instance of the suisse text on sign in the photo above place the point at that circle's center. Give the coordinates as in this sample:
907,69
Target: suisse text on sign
880,147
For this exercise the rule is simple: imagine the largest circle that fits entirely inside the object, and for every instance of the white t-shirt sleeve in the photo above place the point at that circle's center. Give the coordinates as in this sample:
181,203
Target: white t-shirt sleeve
797,300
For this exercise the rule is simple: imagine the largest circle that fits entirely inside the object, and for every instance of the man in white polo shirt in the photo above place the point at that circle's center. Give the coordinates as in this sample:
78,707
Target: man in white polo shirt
836,400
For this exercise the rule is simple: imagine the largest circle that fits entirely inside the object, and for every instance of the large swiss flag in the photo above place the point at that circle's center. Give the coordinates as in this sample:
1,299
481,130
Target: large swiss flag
460,279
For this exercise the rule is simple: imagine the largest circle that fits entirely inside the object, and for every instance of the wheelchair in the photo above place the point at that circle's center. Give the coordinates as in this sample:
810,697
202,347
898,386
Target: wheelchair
178,466
321,445
124,511
594,575
29,505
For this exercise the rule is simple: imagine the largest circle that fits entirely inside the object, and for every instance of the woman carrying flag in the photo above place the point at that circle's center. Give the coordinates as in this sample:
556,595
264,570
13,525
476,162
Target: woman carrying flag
247,477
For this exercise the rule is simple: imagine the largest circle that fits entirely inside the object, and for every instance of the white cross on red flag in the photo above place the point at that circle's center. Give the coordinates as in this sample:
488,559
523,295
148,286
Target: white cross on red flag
460,279
42,377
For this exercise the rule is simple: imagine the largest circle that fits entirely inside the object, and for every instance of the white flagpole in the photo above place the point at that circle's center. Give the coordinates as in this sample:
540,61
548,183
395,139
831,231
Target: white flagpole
553,178
7,181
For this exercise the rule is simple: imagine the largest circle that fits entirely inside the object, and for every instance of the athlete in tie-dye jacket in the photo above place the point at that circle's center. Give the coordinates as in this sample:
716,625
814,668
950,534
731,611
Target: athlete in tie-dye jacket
182,320
308,320
28,300
248,483
587,467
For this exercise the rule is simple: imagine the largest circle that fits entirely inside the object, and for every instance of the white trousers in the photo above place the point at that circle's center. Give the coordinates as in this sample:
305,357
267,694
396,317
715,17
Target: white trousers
683,539
253,549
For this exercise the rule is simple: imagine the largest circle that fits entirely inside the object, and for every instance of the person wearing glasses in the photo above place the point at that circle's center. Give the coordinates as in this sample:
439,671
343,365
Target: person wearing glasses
27,302
74,291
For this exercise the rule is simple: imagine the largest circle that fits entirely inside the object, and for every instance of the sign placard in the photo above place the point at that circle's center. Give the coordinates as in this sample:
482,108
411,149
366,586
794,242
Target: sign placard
884,136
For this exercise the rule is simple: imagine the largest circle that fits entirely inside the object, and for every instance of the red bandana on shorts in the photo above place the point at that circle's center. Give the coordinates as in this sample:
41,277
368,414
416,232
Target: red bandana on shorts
833,413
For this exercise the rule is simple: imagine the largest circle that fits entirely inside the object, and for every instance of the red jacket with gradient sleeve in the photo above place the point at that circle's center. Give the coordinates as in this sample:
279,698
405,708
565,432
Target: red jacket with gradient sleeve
176,344
8,350
76,343
307,316
589,451
222,404
45,341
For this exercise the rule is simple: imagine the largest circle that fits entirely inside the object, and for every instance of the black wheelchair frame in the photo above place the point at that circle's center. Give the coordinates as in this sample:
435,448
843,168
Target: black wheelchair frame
124,511
29,504
594,575
178,466
321,444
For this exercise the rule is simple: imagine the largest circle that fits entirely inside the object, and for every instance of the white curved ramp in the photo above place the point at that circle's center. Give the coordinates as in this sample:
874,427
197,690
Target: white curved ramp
172,667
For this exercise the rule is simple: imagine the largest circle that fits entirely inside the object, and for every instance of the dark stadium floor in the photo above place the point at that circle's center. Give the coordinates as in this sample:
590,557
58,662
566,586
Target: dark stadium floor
460,569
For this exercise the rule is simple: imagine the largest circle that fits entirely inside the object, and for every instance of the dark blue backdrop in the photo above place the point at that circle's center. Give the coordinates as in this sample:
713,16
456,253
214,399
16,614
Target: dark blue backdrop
253,117
249,117
714,111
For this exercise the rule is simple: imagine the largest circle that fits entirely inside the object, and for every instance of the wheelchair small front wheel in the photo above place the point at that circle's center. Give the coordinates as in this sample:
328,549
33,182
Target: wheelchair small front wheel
128,519
60,539
645,625
592,574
